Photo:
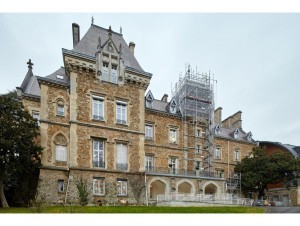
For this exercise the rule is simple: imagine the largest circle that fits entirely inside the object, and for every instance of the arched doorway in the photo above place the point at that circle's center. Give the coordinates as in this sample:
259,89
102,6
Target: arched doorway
157,188
210,189
184,188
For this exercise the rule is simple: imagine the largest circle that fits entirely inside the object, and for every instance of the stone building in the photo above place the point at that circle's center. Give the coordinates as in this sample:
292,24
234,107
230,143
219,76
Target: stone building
98,123
278,193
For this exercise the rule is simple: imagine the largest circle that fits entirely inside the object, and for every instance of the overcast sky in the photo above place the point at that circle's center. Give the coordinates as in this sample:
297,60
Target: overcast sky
255,58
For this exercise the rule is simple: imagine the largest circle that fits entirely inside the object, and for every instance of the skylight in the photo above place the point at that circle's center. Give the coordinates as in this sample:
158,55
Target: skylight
60,76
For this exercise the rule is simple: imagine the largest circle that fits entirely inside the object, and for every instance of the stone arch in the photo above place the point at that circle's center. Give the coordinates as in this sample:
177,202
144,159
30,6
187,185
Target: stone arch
59,153
157,186
60,138
185,186
211,187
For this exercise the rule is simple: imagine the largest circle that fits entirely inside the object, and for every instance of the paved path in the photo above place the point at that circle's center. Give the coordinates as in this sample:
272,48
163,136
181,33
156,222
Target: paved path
289,209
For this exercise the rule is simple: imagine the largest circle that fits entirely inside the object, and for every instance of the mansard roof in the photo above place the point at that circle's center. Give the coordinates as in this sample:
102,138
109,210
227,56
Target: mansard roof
88,45
229,134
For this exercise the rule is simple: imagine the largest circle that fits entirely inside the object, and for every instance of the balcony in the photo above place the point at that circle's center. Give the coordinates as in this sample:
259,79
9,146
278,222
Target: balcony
182,172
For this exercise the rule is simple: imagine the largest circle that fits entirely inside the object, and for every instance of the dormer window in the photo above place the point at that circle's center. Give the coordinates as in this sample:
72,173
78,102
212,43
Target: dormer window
236,133
249,137
105,72
149,99
173,106
60,77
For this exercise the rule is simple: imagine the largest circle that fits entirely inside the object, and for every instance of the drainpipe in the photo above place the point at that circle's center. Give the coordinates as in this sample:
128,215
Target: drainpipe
146,190
228,159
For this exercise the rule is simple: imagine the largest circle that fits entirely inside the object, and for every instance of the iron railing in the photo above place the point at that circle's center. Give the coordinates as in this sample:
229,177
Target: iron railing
175,171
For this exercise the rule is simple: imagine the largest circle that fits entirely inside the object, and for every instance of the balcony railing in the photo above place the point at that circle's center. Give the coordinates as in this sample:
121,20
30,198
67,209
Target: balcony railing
175,171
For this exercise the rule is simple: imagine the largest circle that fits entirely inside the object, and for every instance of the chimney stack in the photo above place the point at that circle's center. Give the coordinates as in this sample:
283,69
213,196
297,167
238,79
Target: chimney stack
218,116
165,98
76,34
131,47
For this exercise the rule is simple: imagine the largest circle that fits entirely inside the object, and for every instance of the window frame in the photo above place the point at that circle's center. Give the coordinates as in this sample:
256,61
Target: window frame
122,106
58,153
59,182
149,159
100,164
198,149
173,164
147,137
60,108
120,147
236,154
36,115
98,183
171,136
100,116
120,184
218,156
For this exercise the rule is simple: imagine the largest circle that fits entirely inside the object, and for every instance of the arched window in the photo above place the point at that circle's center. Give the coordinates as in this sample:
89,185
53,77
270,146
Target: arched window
60,108
60,143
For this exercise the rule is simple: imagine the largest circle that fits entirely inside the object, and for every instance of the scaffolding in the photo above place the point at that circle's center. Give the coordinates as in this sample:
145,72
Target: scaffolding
194,95
233,183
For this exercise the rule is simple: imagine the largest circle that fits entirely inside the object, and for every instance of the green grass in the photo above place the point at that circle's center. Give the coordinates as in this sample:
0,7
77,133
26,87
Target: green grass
132,209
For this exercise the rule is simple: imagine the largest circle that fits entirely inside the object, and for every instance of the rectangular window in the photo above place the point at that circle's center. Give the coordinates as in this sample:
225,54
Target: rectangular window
122,187
121,113
36,115
197,165
149,163
219,173
173,165
61,185
61,153
98,153
198,149
149,132
98,108
218,153
236,155
173,136
122,163
98,186
114,74
105,75
198,133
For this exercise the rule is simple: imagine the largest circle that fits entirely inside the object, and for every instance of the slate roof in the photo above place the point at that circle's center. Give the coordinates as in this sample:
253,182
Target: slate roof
89,42
229,134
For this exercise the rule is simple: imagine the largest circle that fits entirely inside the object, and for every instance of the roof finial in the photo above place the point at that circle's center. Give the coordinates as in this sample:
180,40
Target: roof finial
120,30
109,31
30,64
92,20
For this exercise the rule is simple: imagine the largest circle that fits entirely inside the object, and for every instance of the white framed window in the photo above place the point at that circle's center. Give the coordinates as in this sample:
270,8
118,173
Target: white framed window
219,173
61,153
36,115
98,108
218,153
114,74
61,185
149,163
121,115
236,133
105,72
173,164
122,162
173,136
99,186
121,187
60,109
149,132
98,153
198,149
236,155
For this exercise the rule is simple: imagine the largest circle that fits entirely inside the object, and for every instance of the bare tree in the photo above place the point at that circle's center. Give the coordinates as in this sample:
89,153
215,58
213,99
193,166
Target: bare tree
136,181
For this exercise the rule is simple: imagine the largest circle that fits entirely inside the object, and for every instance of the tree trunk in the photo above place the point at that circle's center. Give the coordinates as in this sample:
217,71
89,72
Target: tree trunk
3,202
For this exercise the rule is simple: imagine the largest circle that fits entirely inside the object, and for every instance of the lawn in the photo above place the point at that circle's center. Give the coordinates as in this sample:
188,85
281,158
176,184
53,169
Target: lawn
132,209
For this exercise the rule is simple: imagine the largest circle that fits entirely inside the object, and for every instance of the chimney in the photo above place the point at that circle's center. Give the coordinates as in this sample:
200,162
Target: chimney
218,115
237,120
131,47
76,34
165,98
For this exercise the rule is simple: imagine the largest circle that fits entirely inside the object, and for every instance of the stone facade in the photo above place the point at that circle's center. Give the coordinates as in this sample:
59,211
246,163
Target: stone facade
93,120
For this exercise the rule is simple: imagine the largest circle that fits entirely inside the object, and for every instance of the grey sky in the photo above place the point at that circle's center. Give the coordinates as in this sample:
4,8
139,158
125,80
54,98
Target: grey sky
254,57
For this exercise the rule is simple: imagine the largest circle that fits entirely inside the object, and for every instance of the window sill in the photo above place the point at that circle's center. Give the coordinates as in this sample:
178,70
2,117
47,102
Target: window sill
121,124
61,116
97,120
99,195
126,196
173,143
